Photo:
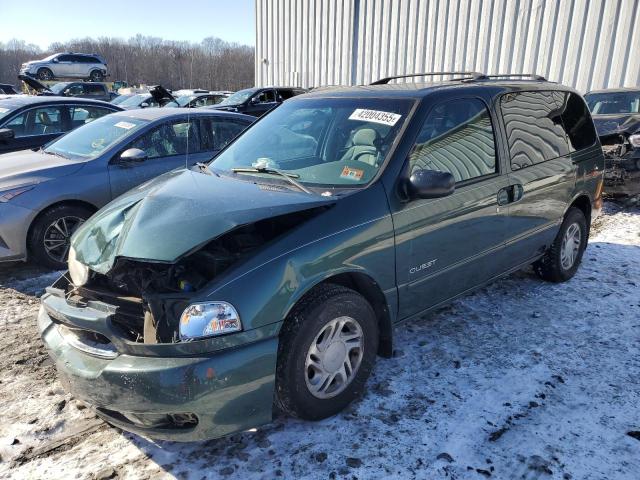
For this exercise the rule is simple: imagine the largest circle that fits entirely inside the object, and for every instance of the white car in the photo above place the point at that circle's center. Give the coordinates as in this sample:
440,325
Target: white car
67,65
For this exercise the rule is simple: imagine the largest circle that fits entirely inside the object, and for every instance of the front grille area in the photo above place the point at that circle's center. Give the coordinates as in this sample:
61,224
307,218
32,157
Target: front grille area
130,311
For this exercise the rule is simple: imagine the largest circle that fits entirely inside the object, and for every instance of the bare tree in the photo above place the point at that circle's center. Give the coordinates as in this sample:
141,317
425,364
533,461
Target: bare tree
212,64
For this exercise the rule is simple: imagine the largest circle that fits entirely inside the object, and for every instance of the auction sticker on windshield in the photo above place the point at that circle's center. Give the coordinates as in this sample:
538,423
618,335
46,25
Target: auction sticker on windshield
375,116
126,125
352,173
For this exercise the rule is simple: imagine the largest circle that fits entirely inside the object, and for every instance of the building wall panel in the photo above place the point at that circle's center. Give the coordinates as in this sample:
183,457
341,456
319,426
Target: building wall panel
587,44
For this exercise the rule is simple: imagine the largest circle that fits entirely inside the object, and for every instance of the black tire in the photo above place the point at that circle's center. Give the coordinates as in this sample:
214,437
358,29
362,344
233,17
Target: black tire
312,314
96,76
45,74
40,227
550,267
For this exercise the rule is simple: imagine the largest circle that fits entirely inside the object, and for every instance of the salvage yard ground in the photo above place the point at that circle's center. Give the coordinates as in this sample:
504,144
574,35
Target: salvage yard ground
523,379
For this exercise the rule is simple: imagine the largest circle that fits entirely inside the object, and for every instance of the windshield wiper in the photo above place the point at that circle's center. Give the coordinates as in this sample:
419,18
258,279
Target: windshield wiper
204,168
272,171
54,153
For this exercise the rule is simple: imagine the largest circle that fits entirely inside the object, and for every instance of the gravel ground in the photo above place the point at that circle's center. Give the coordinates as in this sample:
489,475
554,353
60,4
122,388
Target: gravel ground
522,379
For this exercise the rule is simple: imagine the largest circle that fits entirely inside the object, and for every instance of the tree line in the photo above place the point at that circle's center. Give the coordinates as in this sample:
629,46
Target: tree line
212,64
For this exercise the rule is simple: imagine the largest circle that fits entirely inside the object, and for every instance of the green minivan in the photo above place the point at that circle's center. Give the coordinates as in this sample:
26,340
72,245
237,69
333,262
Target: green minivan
273,276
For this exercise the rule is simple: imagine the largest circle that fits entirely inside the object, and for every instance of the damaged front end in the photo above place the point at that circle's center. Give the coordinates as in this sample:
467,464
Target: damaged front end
621,147
133,328
150,298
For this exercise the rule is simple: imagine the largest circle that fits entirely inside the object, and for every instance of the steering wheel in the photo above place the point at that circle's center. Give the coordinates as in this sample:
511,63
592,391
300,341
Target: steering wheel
359,154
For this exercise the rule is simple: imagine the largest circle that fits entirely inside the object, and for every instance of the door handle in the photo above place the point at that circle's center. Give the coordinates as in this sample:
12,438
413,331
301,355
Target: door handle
510,194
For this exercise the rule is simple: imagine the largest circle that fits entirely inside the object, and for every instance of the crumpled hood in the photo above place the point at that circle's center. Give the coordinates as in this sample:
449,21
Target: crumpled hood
177,212
27,166
616,124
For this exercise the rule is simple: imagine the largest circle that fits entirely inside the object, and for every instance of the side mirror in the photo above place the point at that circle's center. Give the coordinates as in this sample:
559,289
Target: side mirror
6,134
132,155
430,184
254,101
144,105
55,60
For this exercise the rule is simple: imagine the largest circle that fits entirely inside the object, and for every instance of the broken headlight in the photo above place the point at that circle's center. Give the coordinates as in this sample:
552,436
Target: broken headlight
209,319
635,140
78,271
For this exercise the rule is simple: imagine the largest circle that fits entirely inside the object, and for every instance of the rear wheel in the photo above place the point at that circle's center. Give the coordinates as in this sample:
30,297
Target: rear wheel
563,258
96,76
45,74
327,349
49,241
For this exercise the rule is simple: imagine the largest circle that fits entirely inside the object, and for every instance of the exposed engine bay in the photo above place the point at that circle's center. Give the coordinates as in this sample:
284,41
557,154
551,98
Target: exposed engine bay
150,296
622,165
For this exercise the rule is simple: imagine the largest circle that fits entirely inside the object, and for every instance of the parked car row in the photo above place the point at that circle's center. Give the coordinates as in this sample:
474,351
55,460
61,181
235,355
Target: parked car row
274,272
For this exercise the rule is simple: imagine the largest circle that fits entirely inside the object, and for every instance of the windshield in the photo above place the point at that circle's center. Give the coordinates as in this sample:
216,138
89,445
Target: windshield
135,100
121,98
326,142
58,87
93,138
4,112
612,103
238,97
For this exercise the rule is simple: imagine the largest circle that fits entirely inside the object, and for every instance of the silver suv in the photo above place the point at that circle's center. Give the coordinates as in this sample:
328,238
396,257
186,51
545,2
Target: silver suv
67,65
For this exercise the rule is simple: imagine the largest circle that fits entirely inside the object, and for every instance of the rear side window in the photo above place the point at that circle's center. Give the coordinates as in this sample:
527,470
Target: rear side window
37,121
94,89
534,127
217,133
82,114
456,137
577,122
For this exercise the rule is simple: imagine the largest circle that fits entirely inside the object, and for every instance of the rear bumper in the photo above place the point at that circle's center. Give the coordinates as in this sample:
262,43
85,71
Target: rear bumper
14,226
223,392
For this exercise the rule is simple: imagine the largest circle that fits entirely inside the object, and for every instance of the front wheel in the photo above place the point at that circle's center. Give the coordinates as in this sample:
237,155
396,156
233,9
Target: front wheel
327,350
563,258
96,76
50,237
45,74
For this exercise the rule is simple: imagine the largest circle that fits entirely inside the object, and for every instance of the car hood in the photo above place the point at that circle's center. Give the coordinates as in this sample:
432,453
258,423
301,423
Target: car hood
175,213
27,167
161,95
35,84
616,124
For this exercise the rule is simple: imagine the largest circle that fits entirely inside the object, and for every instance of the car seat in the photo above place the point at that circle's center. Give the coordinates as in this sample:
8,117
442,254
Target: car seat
363,148
48,126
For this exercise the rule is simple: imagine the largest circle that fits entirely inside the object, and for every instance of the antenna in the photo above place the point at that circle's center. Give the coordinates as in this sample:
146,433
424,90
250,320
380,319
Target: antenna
186,158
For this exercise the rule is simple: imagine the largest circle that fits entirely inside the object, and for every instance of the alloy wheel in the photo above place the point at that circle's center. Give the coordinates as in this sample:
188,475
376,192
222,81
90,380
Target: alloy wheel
334,357
570,246
57,237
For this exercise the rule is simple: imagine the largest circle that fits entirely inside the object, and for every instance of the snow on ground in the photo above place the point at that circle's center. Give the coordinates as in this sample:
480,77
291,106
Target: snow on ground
523,379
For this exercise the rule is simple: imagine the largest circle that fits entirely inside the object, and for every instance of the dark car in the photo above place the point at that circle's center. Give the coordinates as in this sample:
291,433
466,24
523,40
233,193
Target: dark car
277,273
8,89
92,90
31,121
616,114
46,194
258,101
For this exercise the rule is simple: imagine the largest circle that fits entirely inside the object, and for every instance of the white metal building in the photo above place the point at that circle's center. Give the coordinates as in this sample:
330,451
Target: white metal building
588,44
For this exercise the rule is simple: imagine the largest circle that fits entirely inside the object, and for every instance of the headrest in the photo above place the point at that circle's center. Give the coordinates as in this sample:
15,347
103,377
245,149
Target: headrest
366,136
44,118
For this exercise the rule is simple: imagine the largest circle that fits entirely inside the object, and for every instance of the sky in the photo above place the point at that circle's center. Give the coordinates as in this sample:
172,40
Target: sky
43,22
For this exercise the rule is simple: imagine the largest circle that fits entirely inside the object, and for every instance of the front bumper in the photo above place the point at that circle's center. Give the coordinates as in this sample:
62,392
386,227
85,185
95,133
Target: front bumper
227,391
14,226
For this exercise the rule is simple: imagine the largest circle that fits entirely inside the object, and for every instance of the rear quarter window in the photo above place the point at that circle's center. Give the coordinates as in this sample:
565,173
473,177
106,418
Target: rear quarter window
577,122
534,127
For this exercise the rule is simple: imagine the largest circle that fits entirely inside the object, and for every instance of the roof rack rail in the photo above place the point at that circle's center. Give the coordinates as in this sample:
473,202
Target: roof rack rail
534,76
473,75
